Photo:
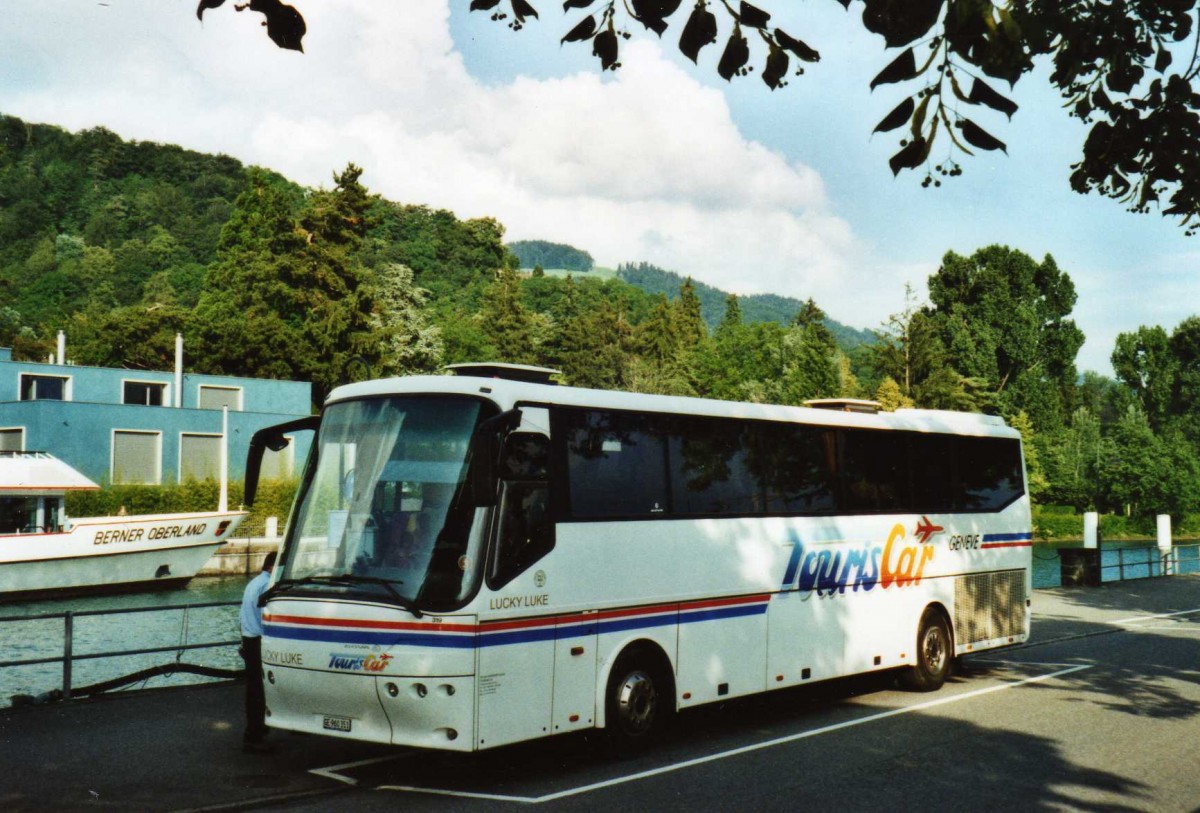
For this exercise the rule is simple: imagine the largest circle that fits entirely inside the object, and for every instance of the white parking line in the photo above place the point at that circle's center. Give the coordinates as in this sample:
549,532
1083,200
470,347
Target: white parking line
744,749
1135,619
332,771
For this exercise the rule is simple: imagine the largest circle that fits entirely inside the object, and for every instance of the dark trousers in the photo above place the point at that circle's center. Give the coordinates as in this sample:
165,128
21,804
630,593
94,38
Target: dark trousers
256,702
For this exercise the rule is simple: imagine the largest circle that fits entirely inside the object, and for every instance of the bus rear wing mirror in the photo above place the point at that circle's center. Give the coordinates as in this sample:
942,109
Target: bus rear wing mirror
486,446
276,439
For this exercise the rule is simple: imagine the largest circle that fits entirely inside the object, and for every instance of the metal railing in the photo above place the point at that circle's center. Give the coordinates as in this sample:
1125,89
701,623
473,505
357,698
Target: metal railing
69,657
1149,562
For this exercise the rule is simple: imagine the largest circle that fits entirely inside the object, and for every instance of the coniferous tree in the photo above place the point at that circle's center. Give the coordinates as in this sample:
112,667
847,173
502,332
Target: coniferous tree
505,321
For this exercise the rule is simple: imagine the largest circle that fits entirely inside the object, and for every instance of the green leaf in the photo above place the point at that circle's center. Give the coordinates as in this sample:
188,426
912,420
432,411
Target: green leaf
522,9
584,30
982,94
483,5
918,119
776,68
570,4
653,13
735,56
911,156
753,16
897,117
1163,60
976,136
901,68
700,30
604,46
797,47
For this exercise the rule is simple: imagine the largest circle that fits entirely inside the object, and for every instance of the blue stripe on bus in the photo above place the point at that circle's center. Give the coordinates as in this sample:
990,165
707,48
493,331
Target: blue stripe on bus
522,636
344,636
1018,537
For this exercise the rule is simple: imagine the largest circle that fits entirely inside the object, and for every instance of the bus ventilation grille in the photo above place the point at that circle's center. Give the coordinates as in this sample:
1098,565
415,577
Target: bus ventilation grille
989,606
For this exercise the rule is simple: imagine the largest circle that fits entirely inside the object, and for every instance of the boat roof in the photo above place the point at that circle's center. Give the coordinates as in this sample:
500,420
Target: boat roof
39,473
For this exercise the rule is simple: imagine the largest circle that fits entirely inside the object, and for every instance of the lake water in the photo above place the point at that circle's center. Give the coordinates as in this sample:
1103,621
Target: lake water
43,638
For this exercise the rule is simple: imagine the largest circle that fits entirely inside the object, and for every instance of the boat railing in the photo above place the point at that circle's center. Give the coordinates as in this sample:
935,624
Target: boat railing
70,656
31,454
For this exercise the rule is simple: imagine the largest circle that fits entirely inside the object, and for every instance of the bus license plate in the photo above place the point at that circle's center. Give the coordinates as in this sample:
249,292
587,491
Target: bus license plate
336,723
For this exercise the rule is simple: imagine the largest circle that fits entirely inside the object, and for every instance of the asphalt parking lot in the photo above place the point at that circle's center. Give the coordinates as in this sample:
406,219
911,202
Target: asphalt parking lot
1100,712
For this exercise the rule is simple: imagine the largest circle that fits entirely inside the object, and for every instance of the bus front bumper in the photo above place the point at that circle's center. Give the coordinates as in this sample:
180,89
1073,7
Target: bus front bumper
421,712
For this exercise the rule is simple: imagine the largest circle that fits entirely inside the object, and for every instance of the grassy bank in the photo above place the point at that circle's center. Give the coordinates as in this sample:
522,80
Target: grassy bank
1056,523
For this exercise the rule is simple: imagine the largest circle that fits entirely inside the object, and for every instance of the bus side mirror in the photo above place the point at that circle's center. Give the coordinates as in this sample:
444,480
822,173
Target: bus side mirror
485,455
273,438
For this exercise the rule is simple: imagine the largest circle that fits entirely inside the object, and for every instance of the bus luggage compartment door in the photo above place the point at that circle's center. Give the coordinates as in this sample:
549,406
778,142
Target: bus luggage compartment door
575,673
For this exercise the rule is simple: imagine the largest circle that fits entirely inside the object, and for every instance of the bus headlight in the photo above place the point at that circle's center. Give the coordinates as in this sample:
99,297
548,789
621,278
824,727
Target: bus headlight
392,689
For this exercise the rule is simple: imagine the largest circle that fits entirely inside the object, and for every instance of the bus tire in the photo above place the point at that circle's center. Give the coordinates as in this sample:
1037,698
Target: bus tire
638,702
934,656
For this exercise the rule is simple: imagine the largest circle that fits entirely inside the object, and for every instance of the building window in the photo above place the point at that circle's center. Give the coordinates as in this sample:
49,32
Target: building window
212,397
143,393
44,388
136,457
199,457
12,440
278,465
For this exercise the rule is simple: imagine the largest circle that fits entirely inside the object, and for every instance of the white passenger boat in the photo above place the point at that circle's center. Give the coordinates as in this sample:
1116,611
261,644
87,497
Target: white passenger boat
44,553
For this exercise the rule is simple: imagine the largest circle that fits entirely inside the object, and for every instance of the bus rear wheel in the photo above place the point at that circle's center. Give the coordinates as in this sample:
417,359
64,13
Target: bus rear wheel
935,654
638,704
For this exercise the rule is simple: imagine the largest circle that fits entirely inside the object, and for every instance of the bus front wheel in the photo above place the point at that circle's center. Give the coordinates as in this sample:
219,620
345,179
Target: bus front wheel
638,704
935,654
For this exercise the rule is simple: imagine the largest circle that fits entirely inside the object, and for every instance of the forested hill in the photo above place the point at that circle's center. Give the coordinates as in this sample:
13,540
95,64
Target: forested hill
755,307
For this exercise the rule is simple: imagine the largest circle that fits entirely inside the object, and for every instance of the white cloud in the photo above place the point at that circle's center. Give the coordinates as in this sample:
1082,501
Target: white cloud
646,165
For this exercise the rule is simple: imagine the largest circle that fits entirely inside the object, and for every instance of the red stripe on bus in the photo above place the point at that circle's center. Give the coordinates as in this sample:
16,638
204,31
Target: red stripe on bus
362,623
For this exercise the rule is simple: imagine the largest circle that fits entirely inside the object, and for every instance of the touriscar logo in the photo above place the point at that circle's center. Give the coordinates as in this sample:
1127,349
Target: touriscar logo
895,563
358,663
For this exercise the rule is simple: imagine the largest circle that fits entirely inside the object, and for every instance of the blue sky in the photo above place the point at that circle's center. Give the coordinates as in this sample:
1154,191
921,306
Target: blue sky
753,191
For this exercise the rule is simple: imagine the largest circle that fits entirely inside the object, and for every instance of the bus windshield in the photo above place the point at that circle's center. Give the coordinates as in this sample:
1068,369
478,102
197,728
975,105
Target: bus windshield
383,510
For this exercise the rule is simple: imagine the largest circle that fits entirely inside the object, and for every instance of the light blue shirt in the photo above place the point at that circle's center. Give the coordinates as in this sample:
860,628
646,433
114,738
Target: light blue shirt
251,612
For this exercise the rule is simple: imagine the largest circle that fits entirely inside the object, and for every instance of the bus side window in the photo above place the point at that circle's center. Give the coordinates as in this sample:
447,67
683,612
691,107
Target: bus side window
524,530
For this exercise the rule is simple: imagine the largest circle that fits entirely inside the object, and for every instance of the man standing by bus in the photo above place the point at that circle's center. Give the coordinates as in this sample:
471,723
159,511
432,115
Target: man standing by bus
251,619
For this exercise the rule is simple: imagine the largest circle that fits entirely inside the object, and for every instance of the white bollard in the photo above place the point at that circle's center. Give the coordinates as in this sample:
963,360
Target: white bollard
272,529
1164,542
1091,529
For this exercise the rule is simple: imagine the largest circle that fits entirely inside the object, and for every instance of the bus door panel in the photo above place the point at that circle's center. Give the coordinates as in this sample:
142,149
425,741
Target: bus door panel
805,638
575,673
516,673
877,620
721,654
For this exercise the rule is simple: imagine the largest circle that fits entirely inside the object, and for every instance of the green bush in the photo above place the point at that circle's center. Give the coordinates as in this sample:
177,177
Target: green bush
1049,523
274,499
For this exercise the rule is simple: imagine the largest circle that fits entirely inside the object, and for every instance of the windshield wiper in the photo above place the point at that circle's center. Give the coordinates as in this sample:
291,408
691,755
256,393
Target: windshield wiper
345,580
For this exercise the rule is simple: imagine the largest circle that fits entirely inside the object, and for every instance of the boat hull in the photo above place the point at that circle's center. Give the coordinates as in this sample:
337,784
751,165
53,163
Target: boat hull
112,554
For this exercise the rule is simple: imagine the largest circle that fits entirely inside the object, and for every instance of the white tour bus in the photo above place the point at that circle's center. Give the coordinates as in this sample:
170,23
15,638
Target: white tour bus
485,558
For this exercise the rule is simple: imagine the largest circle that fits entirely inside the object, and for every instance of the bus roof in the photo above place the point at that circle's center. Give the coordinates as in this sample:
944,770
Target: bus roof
507,394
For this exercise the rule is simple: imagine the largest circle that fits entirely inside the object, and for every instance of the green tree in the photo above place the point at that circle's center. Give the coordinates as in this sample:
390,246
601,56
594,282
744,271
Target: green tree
597,348
412,344
505,322
1072,461
910,351
287,298
891,396
1004,318
1143,361
689,322
1035,474
1185,396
